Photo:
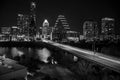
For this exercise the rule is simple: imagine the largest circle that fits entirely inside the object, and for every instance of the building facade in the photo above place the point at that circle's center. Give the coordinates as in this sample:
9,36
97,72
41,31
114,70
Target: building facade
15,31
23,24
60,29
32,27
90,30
72,36
46,30
107,27
5,33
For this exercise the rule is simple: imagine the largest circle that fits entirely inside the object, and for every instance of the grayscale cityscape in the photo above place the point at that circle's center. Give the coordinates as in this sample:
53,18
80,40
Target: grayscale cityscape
64,40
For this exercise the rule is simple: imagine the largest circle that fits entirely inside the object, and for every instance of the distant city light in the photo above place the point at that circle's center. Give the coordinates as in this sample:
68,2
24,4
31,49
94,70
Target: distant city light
45,23
20,15
110,19
27,26
33,4
14,27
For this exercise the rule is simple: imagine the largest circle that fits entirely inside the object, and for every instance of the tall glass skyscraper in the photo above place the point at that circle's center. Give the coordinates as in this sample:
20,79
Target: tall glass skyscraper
32,27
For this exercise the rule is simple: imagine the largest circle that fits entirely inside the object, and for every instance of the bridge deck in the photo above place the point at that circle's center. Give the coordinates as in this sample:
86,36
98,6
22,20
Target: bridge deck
102,59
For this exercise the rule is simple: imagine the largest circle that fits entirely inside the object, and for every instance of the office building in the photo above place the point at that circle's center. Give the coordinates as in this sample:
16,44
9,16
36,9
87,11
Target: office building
90,30
32,27
23,24
72,36
5,30
39,32
15,31
60,29
46,30
107,27
5,33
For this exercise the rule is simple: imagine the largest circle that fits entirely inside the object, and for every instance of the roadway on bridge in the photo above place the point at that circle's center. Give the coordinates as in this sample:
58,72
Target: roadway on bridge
102,59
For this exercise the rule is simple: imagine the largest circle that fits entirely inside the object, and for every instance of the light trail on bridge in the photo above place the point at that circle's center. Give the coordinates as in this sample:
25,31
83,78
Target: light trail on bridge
109,61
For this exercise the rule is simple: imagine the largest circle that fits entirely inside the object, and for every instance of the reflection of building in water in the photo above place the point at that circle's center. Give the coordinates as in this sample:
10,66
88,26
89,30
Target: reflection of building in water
3,50
16,52
43,54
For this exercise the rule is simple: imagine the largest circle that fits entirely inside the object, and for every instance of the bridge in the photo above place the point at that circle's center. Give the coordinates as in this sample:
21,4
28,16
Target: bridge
110,62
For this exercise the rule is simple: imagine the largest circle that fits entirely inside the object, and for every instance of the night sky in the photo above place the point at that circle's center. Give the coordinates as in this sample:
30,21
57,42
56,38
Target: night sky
75,11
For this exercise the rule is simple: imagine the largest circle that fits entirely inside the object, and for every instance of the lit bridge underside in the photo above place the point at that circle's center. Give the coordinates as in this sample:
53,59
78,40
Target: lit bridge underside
104,60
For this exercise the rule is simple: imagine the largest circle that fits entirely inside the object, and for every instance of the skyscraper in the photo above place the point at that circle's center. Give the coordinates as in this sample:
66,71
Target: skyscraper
107,26
60,29
46,30
32,27
23,24
90,30
62,20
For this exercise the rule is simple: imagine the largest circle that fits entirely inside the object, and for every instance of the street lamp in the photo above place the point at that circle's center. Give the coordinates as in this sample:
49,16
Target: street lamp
94,40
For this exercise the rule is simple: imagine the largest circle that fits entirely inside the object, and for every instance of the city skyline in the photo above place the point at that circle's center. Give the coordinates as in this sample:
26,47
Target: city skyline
76,13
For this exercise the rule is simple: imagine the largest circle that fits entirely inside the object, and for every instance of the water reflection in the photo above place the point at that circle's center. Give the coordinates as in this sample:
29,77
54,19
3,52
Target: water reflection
41,54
